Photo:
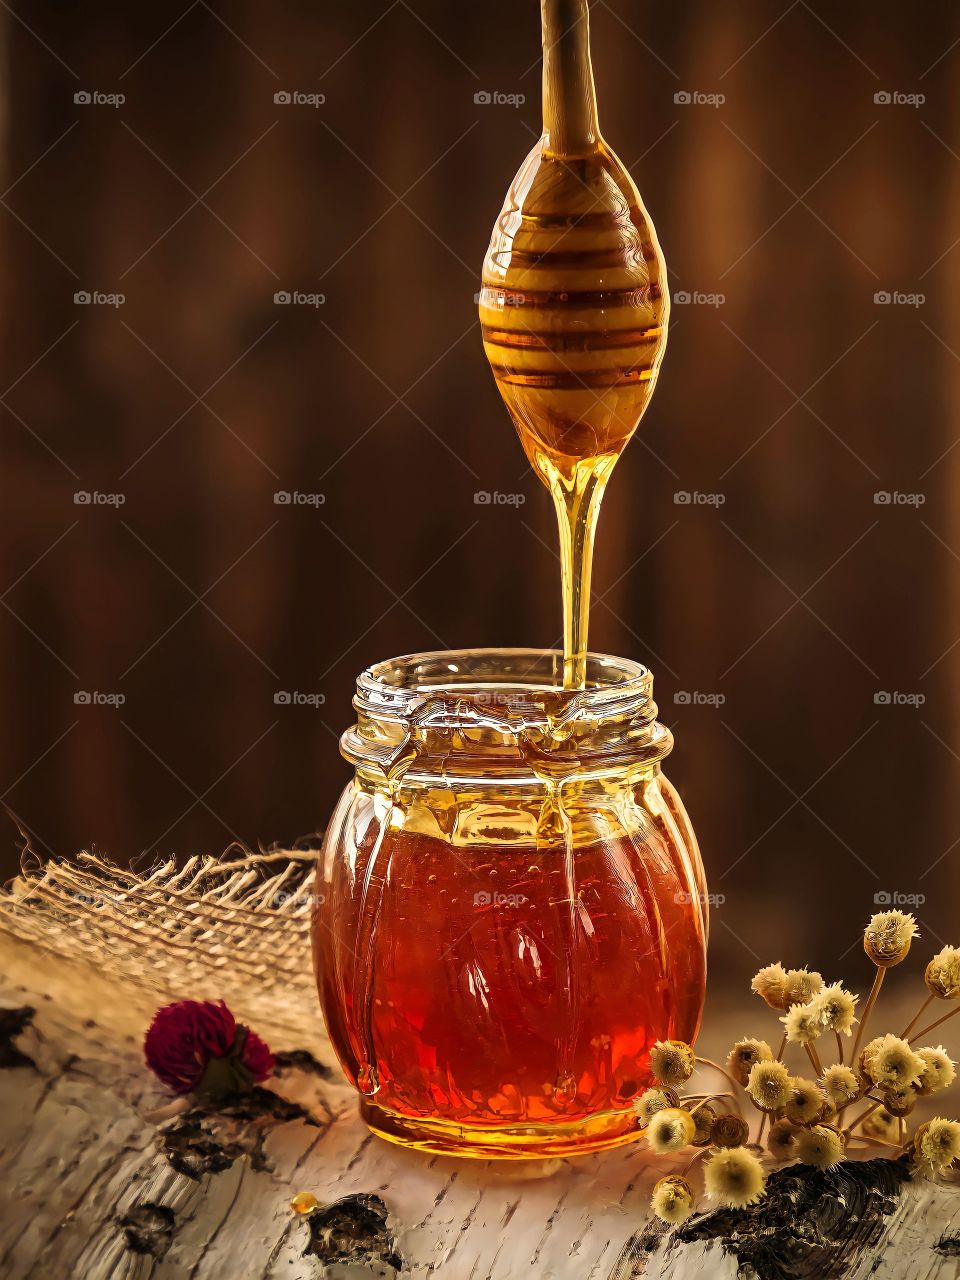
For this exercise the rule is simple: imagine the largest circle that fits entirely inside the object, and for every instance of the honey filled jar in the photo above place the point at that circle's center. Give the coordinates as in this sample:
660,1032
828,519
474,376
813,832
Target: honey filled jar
511,905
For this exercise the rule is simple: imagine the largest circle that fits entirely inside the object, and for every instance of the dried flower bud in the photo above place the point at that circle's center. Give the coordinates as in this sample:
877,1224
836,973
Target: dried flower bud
881,1124
840,1086
733,1177
805,1103
654,1100
893,1063
942,974
769,1085
821,1145
801,986
672,1061
672,1199
803,1023
900,1100
782,1140
838,1008
936,1145
887,937
744,1054
939,1070
704,1117
730,1131
770,984
199,1045
670,1130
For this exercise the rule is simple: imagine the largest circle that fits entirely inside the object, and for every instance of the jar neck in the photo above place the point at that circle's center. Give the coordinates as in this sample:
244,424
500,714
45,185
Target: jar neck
570,124
503,714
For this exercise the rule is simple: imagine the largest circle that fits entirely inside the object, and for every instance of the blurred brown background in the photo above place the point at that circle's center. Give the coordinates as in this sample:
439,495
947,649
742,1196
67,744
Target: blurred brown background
789,398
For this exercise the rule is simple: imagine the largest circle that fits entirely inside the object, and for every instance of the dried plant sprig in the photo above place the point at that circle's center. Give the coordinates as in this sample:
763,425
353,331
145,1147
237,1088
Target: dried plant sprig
888,1076
671,1130
838,1008
770,984
804,1023
801,986
654,1100
936,1146
672,1199
840,1086
769,1085
730,1131
891,1062
939,1070
806,1102
743,1056
734,1177
672,1062
821,1145
942,975
887,937
782,1140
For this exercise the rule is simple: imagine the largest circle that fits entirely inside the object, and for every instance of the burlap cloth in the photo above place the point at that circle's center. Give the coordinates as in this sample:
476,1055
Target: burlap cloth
114,944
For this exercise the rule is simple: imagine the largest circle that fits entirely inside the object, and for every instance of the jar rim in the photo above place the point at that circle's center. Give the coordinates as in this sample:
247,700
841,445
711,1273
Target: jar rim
521,685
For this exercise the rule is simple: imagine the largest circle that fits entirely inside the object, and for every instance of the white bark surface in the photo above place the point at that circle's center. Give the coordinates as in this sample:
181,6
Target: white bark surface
78,1153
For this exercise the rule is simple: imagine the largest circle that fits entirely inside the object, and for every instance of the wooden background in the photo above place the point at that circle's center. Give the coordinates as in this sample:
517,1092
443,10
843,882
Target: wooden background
798,600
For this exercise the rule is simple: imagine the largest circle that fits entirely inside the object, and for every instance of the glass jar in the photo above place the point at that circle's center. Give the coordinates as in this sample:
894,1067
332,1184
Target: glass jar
511,904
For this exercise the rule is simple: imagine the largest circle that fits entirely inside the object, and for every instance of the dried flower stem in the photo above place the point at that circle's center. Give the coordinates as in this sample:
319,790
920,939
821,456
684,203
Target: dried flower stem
763,1125
871,1001
839,1048
708,1062
916,1018
709,1097
874,1142
861,1117
919,1034
699,1156
814,1059
782,1049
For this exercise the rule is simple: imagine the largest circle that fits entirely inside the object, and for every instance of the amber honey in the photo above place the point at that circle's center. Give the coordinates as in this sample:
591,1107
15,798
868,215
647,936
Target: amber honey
487,1013
573,307
511,906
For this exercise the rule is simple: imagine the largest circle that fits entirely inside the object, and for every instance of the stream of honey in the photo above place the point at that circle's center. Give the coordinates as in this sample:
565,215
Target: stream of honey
573,308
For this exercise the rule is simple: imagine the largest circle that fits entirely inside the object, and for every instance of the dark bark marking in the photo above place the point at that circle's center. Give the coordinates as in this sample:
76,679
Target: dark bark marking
149,1229
354,1230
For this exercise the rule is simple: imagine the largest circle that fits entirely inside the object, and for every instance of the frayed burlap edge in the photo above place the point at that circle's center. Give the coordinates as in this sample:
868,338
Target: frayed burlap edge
235,927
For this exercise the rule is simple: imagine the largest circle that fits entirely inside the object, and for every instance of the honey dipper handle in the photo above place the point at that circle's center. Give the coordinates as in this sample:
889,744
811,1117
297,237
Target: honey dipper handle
569,95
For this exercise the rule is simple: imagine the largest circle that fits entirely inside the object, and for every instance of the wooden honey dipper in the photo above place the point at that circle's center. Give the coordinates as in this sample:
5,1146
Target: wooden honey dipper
573,308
